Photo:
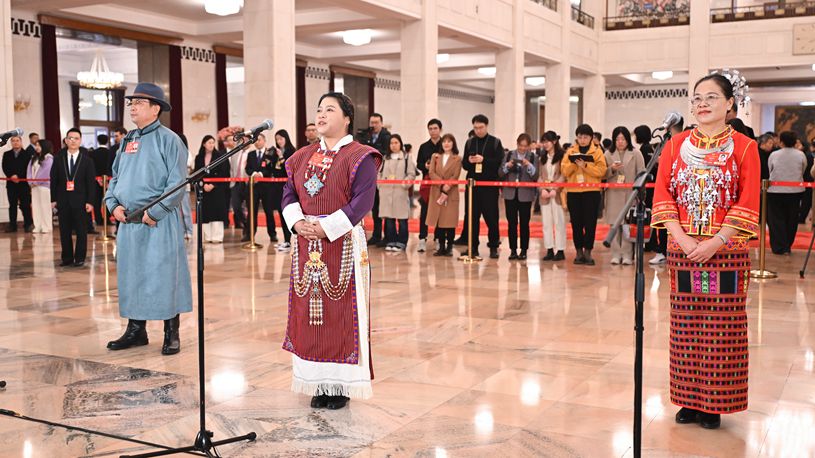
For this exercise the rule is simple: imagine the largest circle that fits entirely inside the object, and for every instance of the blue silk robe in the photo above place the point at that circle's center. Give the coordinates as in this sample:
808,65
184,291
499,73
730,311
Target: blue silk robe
152,270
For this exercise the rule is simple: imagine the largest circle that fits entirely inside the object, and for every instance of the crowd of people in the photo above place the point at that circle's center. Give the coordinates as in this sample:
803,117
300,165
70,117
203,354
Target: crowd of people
483,157
705,196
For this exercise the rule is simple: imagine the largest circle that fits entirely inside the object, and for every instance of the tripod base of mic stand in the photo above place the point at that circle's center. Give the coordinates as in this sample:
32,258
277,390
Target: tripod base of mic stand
203,443
763,274
470,259
251,246
107,238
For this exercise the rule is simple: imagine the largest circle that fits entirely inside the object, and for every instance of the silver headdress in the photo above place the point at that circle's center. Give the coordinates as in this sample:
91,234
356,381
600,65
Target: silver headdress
739,82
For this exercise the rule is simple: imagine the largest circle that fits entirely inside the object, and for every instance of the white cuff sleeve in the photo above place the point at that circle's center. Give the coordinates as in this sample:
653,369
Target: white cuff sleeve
292,214
336,225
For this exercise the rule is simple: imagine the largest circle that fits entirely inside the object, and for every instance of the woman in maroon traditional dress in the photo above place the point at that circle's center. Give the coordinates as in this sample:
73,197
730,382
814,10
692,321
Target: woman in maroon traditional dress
707,196
331,186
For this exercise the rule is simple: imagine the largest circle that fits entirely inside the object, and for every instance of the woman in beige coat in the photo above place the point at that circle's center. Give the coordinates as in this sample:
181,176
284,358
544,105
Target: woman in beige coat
624,164
442,212
394,199
551,199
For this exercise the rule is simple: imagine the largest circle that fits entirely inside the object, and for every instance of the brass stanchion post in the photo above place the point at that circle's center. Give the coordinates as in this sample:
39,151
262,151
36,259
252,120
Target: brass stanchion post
470,259
105,237
762,251
251,245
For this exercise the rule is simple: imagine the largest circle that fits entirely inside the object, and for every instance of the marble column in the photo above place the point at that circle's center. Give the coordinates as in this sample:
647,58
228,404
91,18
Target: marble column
509,82
269,64
7,70
594,104
699,56
419,74
559,79
6,90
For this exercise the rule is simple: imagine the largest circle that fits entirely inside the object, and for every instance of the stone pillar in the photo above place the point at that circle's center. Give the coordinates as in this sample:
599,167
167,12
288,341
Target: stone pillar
594,104
6,91
559,79
7,70
419,74
699,56
509,83
269,64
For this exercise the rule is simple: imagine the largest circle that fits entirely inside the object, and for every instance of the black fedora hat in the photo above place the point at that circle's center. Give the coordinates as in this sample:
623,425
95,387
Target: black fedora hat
150,92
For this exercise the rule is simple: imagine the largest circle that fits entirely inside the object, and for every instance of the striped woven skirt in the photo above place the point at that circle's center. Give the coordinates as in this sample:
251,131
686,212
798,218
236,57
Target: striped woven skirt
708,345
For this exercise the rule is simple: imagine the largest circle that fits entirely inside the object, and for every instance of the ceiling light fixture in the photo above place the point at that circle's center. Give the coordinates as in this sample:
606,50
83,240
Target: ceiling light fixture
223,7
808,104
442,58
487,71
100,76
535,81
357,37
662,76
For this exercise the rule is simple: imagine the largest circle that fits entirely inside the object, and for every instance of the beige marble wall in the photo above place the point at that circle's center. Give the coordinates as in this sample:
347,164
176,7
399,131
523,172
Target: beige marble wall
419,72
6,89
269,61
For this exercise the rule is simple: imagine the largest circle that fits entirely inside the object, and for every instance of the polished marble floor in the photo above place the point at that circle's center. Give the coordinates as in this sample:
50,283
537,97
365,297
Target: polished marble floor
496,359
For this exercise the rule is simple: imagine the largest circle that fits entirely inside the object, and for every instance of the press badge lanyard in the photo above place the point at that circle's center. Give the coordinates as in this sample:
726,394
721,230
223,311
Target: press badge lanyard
69,182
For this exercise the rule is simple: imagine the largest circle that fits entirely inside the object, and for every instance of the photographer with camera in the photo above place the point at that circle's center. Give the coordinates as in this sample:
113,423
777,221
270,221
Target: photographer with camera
520,165
377,136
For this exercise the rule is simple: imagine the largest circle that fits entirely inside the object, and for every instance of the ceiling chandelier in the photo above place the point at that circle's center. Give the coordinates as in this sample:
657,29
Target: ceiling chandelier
223,7
100,76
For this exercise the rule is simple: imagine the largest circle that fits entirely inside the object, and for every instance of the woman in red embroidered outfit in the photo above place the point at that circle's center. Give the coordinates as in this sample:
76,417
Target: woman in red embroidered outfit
331,186
707,196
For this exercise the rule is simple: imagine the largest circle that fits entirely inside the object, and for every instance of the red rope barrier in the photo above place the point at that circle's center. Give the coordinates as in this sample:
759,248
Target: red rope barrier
510,184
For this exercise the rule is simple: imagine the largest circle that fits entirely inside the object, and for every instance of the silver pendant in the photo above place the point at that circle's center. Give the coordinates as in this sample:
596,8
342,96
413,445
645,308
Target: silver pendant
313,185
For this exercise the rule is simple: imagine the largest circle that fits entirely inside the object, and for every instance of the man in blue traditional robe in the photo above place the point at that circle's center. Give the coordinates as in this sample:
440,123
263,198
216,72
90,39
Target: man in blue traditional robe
152,270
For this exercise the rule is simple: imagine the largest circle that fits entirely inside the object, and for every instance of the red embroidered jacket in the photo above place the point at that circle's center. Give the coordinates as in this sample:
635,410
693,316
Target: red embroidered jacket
703,199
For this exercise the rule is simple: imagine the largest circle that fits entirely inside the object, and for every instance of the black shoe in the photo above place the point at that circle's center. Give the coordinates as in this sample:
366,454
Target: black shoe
66,263
373,241
135,335
448,252
493,253
245,238
587,258
319,402
560,256
79,263
579,259
172,342
92,231
550,255
710,420
29,229
381,244
513,256
337,402
465,254
11,228
440,252
460,242
273,238
522,256
686,416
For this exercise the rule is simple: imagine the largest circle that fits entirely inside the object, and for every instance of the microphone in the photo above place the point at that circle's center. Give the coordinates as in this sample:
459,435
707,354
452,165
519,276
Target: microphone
255,131
18,132
670,119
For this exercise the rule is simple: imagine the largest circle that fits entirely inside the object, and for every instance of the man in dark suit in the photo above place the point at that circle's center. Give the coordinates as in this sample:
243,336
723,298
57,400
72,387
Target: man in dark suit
378,137
73,193
259,164
102,165
33,138
15,163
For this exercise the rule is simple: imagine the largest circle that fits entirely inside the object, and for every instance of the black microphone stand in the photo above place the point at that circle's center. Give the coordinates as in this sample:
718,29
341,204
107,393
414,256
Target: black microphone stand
203,441
203,444
640,212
